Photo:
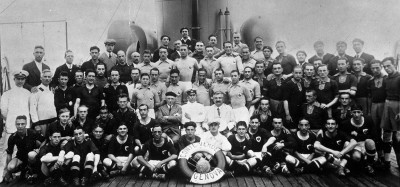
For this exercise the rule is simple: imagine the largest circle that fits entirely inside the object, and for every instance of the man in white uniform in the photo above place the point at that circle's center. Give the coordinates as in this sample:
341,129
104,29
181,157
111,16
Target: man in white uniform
14,102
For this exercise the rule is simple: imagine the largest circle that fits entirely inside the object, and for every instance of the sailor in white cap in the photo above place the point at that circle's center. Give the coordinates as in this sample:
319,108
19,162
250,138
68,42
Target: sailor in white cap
14,102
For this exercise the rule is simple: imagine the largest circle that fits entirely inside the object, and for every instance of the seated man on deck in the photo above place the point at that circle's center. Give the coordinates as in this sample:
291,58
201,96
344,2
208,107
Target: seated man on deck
84,155
52,157
27,142
161,156
277,151
120,152
304,151
362,129
241,159
336,145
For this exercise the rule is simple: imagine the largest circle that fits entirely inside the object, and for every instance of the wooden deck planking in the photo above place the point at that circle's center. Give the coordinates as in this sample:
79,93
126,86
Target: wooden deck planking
323,179
314,180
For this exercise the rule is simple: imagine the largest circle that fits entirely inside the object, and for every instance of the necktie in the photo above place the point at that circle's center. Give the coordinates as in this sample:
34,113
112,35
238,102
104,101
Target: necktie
219,113
170,107
109,56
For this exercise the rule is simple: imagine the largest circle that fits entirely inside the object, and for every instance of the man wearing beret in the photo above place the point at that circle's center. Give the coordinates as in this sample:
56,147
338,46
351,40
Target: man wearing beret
108,57
14,102
170,116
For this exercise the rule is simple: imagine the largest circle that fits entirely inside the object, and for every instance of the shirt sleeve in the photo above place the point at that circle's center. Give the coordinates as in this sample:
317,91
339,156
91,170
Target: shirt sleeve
11,144
145,148
33,103
171,148
257,90
239,64
93,148
353,82
4,105
334,87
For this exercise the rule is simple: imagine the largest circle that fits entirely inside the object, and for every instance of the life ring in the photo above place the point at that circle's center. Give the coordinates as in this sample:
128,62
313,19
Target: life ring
202,178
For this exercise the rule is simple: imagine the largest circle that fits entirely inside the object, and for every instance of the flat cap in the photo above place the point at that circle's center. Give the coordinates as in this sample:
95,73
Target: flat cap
110,41
21,74
170,94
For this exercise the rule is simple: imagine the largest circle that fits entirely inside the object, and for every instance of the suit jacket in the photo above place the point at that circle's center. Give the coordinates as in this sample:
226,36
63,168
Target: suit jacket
71,74
325,58
367,57
174,117
34,74
332,65
110,62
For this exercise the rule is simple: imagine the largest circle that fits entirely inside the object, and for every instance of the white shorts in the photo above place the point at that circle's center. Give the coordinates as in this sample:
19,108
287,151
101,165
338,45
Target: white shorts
123,159
258,155
360,147
154,162
241,114
305,155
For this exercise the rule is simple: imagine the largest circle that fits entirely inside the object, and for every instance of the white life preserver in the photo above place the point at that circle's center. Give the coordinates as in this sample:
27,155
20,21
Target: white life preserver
202,178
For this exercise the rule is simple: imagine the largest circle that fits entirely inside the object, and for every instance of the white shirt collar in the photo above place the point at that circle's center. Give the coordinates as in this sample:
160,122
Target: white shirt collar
69,65
188,38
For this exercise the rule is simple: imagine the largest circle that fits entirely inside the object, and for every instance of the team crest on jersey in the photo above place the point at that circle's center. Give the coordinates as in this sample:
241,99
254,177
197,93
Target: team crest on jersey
258,138
126,148
342,79
310,147
339,142
365,131
164,152
321,86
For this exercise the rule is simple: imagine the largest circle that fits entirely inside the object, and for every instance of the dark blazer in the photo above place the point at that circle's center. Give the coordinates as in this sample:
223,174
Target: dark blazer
71,74
34,74
325,58
367,57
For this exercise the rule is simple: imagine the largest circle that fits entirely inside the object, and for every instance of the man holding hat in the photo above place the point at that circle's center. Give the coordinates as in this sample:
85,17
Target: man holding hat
108,57
14,102
193,111
170,116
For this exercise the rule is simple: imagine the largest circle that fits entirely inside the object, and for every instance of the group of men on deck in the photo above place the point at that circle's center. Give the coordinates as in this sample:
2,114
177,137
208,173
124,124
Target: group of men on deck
113,114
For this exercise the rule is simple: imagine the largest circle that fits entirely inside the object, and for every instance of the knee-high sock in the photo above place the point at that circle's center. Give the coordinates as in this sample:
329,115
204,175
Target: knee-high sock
75,169
88,169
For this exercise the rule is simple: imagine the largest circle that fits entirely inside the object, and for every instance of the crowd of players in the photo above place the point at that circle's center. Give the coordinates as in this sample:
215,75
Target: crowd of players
114,115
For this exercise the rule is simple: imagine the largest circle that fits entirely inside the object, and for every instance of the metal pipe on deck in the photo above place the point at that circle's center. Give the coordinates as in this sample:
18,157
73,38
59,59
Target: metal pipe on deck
221,28
227,25
195,21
